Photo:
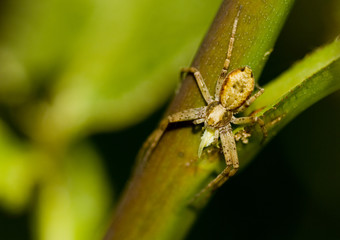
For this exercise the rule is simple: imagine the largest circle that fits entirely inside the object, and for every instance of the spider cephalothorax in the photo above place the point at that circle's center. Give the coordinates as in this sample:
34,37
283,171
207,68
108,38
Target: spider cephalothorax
217,115
233,94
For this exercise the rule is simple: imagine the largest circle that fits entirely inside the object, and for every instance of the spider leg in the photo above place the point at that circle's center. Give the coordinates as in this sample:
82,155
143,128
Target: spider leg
247,103
229,146
199,121
152,141
188,114
217,182
246,120
200,82
230,156
224,71
216,135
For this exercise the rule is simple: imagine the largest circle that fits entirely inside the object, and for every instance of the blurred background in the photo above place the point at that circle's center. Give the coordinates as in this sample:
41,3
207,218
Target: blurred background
83,83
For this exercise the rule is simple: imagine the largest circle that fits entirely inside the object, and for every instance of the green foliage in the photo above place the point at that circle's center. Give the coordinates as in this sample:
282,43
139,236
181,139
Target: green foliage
87,57
16,169
74,200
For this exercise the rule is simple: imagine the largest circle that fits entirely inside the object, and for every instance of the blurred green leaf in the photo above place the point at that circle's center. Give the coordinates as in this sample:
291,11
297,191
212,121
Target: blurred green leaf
17,172
37,38
75,199
105,65
127,63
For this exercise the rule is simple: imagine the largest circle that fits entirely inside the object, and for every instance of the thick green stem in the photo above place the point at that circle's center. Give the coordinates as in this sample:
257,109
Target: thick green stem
156,203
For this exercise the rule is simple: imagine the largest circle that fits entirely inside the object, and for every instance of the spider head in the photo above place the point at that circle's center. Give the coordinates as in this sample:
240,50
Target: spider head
237,88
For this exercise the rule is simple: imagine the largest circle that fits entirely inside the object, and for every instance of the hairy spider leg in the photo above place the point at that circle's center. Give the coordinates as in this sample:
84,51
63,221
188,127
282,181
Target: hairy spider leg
152,141
200,82
229,146
218,181
244,120
230,157
226,64
251,119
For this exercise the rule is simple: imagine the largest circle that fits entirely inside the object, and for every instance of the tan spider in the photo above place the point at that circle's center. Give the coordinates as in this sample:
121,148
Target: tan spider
232,95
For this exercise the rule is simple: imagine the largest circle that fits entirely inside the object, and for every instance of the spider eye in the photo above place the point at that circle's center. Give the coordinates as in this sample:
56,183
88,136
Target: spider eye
237,88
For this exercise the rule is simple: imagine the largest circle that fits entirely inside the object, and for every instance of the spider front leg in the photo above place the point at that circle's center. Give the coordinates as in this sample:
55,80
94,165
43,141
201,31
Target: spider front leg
200,82
226,64
154,138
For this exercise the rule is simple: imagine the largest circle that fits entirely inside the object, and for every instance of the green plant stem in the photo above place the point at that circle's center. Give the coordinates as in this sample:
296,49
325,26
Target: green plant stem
155,205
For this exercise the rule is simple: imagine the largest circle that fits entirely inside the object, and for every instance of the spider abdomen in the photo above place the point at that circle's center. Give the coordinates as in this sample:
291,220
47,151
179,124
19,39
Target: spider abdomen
237,88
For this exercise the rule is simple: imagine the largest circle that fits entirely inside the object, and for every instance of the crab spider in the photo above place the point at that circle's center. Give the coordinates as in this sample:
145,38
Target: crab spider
233,94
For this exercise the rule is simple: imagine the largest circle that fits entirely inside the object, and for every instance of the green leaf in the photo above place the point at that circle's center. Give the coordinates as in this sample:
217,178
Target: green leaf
37,38
74,197
118,67
18,175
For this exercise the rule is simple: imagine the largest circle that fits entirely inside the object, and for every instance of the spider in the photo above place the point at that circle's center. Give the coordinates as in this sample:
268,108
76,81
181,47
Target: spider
232,95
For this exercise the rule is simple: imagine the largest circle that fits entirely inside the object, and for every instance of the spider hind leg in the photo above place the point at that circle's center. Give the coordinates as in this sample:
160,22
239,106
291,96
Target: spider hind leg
252,119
